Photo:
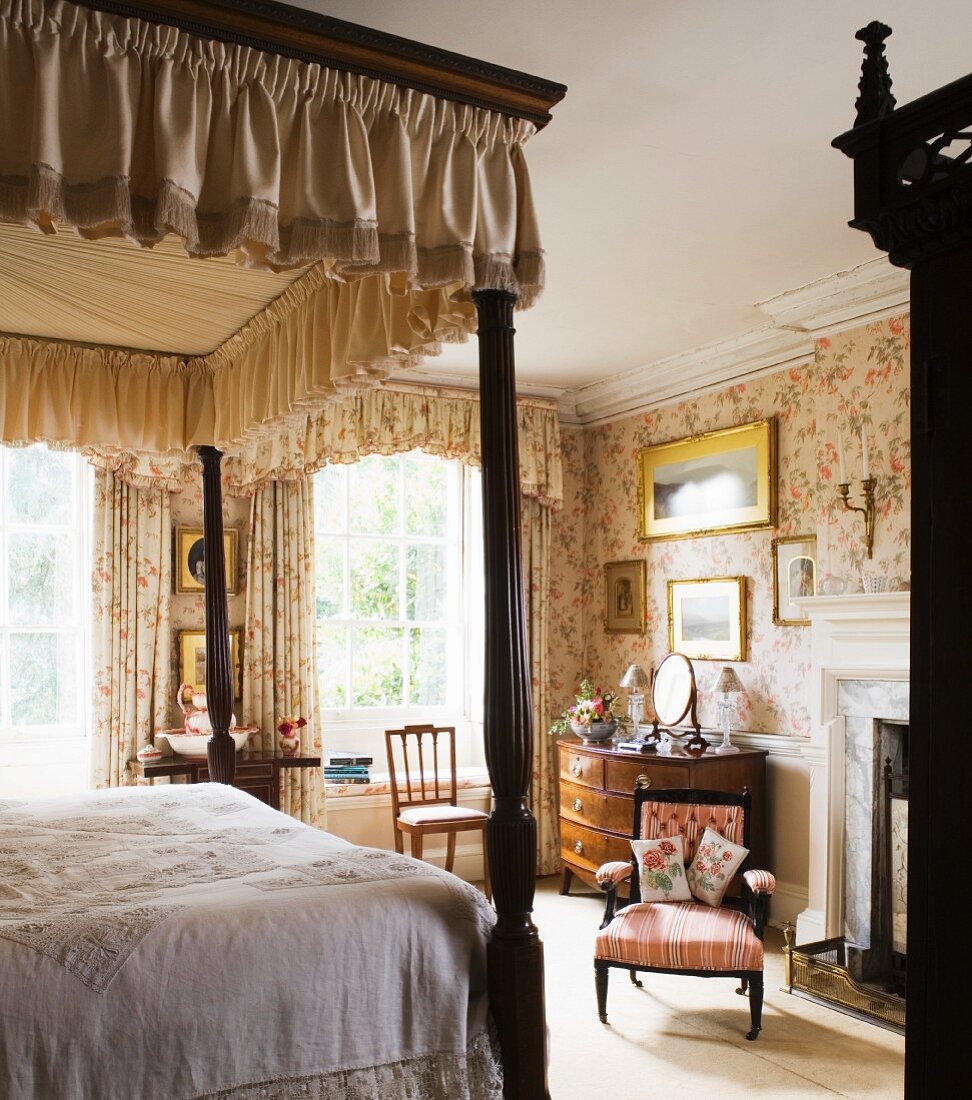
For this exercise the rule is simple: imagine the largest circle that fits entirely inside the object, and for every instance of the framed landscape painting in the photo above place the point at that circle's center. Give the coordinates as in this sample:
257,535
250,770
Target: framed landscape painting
707,618
625,609
794,575
706,484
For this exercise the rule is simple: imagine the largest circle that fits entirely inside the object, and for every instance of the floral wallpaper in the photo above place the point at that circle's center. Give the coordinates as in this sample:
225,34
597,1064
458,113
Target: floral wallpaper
187,610
858,377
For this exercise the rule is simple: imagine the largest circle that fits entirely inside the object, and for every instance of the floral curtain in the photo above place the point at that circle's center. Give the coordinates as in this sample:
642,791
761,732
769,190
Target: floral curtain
535,522
131,587
279,648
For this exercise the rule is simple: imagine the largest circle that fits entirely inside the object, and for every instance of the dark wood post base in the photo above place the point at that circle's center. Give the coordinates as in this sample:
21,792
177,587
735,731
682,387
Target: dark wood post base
220,749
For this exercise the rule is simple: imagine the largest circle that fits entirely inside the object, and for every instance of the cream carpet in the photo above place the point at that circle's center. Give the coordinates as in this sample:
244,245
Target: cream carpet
685,1037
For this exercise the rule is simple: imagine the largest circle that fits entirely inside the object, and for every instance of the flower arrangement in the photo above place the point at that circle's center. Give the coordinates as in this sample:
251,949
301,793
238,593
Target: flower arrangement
591,705
289,728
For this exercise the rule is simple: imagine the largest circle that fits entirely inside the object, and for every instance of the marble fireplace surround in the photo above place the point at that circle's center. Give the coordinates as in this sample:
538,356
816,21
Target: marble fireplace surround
860,653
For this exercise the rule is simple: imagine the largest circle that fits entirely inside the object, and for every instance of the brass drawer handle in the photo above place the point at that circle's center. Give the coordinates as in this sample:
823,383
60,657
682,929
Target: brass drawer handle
575,768
579,847
643,782
578,806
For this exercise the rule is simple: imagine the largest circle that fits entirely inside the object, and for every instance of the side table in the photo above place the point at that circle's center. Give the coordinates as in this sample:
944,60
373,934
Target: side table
257,773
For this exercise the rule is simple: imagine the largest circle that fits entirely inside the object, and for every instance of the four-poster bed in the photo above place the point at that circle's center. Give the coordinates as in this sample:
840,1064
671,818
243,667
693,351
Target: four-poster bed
913,194
394,174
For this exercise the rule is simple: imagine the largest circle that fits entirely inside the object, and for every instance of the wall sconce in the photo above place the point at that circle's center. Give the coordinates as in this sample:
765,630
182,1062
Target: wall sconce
867,488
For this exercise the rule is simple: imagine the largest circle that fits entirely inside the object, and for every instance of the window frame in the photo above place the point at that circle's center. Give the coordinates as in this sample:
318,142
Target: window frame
461,709
79,527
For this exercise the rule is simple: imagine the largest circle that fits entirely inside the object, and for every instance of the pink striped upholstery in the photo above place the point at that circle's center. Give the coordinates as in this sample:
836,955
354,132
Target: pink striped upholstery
681,936
660,819
760,882
613,872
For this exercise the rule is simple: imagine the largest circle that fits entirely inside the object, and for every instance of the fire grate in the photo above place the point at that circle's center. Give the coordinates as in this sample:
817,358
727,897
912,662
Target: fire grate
819,972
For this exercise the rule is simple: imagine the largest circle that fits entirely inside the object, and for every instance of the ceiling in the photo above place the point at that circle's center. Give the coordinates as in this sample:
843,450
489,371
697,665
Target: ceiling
688,173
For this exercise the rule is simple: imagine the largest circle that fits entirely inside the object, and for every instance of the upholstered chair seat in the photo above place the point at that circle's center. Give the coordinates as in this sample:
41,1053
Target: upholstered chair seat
717,934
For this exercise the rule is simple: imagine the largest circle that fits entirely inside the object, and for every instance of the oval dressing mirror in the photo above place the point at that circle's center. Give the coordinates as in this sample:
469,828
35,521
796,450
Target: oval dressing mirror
673,689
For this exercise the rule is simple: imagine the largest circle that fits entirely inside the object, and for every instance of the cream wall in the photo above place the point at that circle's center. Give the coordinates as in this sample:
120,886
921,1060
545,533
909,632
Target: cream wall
858,376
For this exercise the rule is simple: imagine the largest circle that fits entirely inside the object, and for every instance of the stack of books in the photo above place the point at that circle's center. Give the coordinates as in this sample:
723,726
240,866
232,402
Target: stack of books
346,767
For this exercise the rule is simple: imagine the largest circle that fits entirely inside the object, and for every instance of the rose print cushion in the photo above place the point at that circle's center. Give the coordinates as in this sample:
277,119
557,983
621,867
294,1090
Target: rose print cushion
715,862
662,871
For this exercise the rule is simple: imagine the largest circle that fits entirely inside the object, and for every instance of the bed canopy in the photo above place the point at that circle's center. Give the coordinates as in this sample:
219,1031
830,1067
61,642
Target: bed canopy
317,205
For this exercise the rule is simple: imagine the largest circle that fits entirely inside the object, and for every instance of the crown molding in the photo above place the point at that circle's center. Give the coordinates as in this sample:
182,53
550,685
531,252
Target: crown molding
871,292
683,376
421,376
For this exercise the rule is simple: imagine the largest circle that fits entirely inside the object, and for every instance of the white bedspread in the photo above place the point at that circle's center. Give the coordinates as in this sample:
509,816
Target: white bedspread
188,941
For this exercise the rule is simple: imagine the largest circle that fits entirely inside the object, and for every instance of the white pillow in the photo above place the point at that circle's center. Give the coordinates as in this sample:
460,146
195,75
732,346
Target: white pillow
661,866
713,866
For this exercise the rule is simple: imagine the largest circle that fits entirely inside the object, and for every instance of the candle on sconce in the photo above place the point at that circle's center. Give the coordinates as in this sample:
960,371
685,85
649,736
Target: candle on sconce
865,465
840,458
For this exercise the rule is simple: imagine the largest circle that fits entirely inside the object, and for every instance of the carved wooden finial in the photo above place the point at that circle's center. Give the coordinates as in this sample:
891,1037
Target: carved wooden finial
875,99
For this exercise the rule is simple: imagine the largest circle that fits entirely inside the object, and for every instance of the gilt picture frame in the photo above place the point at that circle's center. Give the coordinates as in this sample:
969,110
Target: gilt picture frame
187,568
625,596
192,659
794,576
708,484
707,618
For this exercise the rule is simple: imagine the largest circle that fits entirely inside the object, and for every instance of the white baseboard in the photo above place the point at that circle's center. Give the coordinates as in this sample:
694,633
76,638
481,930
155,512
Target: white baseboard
787,902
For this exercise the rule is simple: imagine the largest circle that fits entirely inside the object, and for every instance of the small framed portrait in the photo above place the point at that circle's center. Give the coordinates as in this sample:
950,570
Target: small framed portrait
794,576
625,609
192,659
708,484
707,618
190,566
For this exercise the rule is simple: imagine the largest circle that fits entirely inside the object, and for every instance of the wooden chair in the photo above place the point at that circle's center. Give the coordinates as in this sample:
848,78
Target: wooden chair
686,937
429,802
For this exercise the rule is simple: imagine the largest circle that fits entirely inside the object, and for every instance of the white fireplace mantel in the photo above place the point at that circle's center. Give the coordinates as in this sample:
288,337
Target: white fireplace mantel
863,636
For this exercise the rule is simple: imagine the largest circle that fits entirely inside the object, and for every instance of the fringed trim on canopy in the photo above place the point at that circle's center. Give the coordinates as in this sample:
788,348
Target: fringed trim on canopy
319,340
123,127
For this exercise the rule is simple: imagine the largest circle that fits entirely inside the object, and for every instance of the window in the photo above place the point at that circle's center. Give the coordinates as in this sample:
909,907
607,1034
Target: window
43,595
399,565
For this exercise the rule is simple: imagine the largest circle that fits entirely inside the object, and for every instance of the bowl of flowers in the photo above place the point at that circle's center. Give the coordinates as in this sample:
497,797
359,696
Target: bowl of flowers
591,716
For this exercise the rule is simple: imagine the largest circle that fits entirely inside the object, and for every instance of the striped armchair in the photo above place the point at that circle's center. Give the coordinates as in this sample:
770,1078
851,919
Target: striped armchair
686,937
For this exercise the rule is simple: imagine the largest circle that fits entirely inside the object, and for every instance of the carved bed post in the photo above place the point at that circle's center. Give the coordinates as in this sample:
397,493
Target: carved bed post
515,951
913,194
219,670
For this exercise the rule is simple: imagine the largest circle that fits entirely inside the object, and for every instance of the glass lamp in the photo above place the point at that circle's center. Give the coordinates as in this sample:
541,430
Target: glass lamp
635,680
727,685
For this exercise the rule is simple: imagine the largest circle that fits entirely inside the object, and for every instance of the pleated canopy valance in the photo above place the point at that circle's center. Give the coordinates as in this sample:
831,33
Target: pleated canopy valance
122,126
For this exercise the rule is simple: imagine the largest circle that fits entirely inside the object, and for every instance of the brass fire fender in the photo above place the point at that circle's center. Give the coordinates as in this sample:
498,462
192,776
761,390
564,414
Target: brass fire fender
813,970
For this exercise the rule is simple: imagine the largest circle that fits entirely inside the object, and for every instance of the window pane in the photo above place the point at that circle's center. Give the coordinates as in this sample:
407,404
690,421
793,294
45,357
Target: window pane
40,578
427,667
329,567
373,495
425,583
40,485
374,579
329,499
43,680
331,642
426,495
376,667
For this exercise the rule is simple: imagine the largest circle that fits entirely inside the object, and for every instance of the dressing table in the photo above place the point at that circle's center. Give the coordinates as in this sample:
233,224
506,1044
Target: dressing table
597,779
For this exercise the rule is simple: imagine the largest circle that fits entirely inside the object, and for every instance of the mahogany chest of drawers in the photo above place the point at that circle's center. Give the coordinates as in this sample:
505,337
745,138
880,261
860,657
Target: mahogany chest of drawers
596,789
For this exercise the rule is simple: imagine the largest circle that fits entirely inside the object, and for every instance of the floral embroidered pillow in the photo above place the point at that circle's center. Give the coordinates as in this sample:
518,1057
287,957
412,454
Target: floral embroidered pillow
661,869
715,862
